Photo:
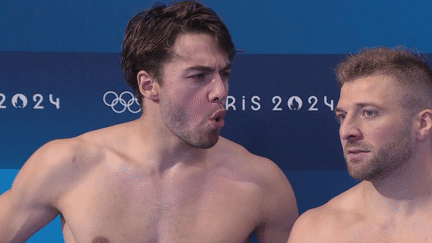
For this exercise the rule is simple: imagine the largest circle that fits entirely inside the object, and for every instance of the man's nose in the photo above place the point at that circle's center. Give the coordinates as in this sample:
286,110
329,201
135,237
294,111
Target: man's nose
350,129
218,89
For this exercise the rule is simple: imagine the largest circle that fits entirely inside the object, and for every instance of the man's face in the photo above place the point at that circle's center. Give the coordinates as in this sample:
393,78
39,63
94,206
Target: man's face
375,131
194,90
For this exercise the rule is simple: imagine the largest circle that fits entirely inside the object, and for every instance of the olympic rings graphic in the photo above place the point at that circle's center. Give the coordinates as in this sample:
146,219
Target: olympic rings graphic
119,99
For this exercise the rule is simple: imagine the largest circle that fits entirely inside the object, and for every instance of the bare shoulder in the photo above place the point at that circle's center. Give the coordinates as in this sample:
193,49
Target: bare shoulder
50,172
231,147
57,165
278,204
259,169
323,224
51,157
57,162
239,154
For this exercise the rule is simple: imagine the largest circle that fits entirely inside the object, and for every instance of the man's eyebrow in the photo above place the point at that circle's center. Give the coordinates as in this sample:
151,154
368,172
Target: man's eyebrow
337,109
361,105
358,105
199,68
206,68
227,67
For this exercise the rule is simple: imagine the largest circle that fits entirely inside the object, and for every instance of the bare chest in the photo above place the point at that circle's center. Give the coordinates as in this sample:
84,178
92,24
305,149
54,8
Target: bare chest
134,209
411,232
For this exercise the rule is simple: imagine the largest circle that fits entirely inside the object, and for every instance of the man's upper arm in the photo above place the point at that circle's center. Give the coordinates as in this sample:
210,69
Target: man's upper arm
316,225
303,230
28,205
280,207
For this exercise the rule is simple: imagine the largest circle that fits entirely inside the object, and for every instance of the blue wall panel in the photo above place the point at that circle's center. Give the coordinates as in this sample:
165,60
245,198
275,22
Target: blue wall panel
271,26
63,56
276,103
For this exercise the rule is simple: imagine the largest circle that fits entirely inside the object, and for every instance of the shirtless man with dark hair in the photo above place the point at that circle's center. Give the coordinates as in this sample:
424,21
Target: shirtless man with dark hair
167,176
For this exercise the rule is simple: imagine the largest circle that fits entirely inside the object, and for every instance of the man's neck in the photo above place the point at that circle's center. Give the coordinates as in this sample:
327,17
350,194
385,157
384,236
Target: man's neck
404,193
165,149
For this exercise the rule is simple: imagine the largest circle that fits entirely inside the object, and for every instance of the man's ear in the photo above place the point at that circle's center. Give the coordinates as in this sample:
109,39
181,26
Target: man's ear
425,124
148,86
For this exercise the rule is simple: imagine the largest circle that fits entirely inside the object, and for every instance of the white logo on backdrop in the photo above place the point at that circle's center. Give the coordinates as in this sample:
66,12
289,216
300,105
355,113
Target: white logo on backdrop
118,103
294,103
20,101
126,100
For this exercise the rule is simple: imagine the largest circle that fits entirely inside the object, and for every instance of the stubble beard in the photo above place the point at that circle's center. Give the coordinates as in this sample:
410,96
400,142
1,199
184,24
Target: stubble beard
177,120
387,160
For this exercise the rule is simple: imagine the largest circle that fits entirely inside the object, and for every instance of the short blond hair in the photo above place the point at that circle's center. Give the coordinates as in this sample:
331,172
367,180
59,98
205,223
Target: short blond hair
408,68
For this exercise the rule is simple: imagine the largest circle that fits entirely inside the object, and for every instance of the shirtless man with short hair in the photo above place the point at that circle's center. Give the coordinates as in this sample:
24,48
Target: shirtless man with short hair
167,176
385,115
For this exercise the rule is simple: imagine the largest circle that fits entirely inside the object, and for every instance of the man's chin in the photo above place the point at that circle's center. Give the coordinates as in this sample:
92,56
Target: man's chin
210,143
205,143
357,169
367,174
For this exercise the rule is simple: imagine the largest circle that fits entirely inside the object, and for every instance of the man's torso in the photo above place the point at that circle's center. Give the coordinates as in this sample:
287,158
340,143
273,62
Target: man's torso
114,198
345,219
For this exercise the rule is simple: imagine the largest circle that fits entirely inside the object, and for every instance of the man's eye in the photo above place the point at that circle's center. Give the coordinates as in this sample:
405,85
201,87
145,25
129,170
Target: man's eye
369,113
199,76
340,117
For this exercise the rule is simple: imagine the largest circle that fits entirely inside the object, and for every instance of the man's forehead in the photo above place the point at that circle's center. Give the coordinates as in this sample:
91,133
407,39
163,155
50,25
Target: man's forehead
375,85
200,61
373,90
192,45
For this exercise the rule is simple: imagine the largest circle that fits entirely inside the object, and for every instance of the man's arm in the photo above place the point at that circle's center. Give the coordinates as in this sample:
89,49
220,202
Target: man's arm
304,229
28,205
317,225
279,206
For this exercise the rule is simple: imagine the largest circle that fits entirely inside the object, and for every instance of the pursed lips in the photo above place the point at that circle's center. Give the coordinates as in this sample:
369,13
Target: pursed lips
218,115
217,119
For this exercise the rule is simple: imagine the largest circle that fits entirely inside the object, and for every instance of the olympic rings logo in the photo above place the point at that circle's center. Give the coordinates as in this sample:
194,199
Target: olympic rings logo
119,101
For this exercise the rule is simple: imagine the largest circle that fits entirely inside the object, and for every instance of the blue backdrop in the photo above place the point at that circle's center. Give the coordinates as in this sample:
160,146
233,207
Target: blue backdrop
60,71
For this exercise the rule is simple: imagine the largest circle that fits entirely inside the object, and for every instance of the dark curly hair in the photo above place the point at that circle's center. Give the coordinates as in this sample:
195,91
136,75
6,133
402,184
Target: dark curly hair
150,35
